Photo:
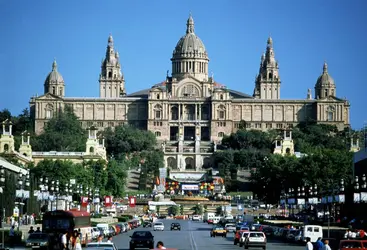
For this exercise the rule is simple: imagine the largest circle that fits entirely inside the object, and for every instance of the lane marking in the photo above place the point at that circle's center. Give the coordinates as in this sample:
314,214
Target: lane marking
193,242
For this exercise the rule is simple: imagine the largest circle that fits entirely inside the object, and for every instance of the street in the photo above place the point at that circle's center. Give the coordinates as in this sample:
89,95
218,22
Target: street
193,236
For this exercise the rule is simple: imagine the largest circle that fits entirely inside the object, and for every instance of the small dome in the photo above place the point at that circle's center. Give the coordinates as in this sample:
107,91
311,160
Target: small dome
190,45
54,76
325,80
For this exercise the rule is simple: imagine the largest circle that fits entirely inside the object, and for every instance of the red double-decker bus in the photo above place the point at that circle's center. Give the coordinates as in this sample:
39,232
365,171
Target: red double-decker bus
56,223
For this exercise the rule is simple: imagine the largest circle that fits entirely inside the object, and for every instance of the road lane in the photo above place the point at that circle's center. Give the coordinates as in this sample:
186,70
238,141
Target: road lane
194,236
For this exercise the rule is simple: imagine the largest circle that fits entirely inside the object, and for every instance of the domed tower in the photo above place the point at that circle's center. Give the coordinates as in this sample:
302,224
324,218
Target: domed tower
267,83
325,85
54,83
111,80
190,56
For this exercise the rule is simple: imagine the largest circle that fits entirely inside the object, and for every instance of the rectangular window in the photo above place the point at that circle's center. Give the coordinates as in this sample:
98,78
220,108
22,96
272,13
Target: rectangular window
248,125
111,124
157,114
257,125
269,125
100,124
221,114
89,124
279,125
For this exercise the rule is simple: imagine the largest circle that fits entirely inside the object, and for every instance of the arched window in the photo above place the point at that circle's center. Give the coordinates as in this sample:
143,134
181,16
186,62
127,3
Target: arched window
49,110
221,134
158,134
53,90
221,112
60,91
110,74
158,96
221,96
288,151
158,111
6,147
330,113
174,113
91,150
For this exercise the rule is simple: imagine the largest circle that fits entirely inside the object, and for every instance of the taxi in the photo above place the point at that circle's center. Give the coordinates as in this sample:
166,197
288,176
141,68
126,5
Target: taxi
218,230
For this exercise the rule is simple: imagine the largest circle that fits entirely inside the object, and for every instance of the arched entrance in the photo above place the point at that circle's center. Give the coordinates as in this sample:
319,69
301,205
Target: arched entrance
6,147
172,162
207,162
190,163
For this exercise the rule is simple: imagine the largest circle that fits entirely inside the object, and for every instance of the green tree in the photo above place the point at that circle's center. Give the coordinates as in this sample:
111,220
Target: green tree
116,178
62,133
5,114
99,175
198,209
175,210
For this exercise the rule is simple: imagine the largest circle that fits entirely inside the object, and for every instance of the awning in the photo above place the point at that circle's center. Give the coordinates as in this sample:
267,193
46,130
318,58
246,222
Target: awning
12,167
162,203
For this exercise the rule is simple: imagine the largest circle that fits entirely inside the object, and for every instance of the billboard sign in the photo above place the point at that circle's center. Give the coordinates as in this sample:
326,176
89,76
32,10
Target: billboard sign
162,179
190,187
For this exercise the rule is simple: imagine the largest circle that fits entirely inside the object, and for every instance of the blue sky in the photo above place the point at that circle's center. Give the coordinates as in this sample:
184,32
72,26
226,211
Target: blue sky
305,34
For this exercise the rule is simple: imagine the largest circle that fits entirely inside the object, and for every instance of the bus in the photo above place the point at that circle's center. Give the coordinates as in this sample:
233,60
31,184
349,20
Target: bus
55,223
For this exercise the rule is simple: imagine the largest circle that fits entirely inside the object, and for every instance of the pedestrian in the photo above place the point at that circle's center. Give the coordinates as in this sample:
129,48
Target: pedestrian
78,243
12,236
100,238
309,245
64,241
38,230
31,230
319,244
109,239
326,245
160,245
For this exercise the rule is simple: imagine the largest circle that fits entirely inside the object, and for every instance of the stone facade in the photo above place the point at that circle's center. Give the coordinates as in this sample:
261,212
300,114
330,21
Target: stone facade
189,111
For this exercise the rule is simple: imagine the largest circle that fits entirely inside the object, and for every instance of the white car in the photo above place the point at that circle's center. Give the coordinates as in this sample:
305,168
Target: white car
158,226
243,238
230,227
255,239
101,245
196,217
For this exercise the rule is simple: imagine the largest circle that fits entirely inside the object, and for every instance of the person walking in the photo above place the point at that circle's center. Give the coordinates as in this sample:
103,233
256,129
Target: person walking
78,243
309,245
12,236
109,239
319,244
326,245
160,245
64,241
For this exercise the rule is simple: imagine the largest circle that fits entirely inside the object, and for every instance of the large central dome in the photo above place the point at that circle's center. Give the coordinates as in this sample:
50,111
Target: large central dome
190,45
190,56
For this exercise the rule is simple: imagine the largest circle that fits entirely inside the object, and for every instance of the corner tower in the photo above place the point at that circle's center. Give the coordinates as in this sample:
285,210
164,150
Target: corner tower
54,83
325,85
267,83
111,80
190,56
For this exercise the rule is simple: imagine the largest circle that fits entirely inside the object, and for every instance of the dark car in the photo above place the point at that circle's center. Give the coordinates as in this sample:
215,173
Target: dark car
38,240
142,239
175,226
147,224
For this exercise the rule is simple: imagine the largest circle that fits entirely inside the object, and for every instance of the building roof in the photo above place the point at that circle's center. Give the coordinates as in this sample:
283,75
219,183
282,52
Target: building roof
325,80
12,167
54,76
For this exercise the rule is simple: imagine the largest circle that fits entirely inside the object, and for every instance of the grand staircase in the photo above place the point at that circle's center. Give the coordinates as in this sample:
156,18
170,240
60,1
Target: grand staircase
132,181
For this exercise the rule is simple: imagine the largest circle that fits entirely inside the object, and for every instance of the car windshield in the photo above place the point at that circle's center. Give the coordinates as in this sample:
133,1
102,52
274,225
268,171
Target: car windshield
159,224
256,235
219,228
141,234
230,225
175,224
38,236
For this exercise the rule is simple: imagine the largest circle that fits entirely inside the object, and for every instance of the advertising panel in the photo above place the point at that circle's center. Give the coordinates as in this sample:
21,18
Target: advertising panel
162,179
190,187
132,201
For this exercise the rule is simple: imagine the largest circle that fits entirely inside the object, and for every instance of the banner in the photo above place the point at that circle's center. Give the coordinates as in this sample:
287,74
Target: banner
107,201
162,180
132,201
190,187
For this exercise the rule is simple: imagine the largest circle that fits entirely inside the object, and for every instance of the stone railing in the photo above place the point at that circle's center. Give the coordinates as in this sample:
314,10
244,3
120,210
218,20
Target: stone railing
107,220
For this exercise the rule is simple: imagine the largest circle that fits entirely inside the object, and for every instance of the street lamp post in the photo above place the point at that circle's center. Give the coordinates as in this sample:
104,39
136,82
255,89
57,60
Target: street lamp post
2,186
96,200
22,193
43,186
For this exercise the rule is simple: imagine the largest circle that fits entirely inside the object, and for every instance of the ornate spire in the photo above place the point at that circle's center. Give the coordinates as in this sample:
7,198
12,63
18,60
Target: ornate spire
270,42
325,68
54,65
110,39
190,25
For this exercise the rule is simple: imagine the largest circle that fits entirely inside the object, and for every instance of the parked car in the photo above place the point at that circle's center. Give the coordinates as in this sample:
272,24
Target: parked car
100,246
141,239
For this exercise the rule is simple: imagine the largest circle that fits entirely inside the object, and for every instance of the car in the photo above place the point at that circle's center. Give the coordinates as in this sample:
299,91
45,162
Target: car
158,226
243,238
141,239
175,226
196,217
147,224
38,240
255,239
238,234
218,230
101,245
230,227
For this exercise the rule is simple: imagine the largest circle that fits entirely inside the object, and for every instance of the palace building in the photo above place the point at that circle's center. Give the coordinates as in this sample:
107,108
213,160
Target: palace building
189,111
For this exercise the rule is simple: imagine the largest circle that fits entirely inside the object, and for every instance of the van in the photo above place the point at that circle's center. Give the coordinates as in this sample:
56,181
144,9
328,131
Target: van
104,228
312,231
208,216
